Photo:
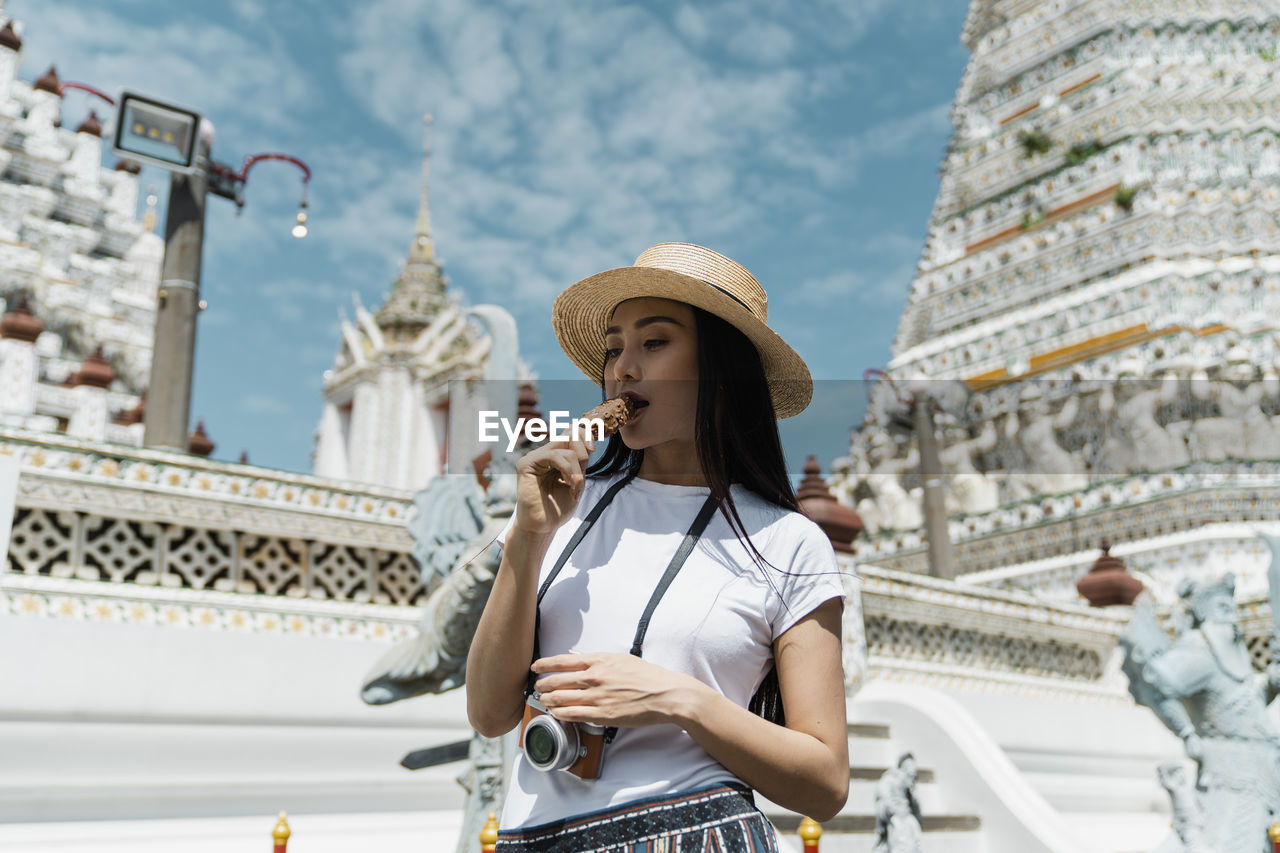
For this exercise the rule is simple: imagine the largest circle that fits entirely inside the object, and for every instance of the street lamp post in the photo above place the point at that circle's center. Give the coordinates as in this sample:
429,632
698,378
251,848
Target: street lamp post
173,356
181,141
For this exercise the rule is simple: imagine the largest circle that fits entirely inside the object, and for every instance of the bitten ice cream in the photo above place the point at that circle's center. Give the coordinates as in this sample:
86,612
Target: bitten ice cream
614,413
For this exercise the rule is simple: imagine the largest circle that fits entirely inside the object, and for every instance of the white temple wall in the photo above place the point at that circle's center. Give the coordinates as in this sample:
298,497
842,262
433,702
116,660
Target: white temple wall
100,720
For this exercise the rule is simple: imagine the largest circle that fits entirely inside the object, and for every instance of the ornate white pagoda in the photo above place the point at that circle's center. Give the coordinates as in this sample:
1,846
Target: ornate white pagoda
1097,297
386,409
80,269
1093,326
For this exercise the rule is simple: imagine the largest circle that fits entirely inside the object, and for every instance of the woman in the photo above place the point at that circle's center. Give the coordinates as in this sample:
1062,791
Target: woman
683,333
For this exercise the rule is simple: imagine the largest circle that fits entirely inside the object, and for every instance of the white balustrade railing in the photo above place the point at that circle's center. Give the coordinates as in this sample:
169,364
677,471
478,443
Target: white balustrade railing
102,512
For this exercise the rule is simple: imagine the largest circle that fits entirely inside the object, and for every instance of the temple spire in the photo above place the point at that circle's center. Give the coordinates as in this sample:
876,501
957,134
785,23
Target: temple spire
422,250
418,294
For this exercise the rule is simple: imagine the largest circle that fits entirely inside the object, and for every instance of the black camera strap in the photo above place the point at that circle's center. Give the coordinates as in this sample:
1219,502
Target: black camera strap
673,568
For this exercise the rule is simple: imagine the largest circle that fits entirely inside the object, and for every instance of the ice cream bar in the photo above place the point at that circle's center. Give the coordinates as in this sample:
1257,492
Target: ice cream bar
614,413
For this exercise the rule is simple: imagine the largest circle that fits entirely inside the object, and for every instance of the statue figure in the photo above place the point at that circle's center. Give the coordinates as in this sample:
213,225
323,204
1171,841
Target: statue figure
452,530
483,778
969,490
1188,820
897,811
1240,418
854,636
896,508
1144,444
1052,469
1203,687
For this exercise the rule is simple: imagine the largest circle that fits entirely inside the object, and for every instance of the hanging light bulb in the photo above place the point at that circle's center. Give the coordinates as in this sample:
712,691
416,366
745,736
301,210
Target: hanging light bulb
300,230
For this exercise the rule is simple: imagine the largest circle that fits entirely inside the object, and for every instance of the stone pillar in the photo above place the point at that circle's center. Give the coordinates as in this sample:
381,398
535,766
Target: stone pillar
123,200
427,440
331,447
17,377
10,58
90,384
89,420
19,367
45,113
86,156
395,429
363,445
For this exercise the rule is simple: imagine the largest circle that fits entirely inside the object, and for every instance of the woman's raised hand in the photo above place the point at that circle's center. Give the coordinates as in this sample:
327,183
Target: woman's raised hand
549,482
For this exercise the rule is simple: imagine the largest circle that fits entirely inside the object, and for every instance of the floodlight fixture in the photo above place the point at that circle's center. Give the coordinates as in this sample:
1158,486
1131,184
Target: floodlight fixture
159,133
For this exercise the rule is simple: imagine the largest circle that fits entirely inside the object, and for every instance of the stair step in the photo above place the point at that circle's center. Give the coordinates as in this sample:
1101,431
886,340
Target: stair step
862,800
871,730
923,777
857,823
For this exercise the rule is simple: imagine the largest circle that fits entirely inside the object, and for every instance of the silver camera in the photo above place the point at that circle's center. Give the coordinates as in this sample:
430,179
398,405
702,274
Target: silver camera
550,744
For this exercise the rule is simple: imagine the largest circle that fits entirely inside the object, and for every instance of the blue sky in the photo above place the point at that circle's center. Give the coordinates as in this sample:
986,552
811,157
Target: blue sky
802,140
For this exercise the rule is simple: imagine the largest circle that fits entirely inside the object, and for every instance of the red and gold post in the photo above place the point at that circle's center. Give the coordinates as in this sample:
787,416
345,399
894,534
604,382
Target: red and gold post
280,835
489,834
1274,834
810,832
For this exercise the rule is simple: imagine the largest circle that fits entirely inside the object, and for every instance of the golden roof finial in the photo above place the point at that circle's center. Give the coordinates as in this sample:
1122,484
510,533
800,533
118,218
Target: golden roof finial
422,249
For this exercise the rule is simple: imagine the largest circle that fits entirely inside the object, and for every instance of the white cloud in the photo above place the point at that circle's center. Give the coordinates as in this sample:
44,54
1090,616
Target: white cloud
764,42
598,128
880,272
218,71
897,137
690,24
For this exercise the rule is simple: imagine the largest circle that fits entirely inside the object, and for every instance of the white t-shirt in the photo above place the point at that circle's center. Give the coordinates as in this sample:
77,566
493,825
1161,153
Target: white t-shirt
716,622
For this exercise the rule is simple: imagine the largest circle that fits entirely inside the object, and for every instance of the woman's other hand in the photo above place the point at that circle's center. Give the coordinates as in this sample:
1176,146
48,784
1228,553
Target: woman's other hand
613,689
549,482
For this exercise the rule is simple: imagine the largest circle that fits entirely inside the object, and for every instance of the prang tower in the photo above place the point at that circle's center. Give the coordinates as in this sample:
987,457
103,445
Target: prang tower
1098,298
1109,196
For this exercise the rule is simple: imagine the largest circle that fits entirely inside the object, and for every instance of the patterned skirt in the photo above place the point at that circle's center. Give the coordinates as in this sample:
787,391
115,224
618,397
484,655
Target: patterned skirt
720,818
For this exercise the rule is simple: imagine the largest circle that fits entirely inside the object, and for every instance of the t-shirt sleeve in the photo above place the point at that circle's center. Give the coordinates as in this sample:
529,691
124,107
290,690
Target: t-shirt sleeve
811,577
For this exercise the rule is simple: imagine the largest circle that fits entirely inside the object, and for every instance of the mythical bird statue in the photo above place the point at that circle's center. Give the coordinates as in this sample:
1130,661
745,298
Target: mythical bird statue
453,529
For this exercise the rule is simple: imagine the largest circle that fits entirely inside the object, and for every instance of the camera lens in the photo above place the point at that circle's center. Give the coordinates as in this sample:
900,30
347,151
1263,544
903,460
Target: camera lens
539,745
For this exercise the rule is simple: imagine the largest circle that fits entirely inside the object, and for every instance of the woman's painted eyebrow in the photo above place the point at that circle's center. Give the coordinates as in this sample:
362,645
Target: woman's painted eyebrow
640,324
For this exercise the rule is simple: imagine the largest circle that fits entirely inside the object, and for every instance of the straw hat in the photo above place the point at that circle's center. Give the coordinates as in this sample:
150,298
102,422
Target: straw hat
694,275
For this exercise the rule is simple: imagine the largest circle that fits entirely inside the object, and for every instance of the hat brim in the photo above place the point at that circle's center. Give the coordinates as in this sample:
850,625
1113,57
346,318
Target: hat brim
581,314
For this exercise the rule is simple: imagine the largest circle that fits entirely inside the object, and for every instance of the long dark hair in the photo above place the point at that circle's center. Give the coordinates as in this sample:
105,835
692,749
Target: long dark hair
735,430
739,445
